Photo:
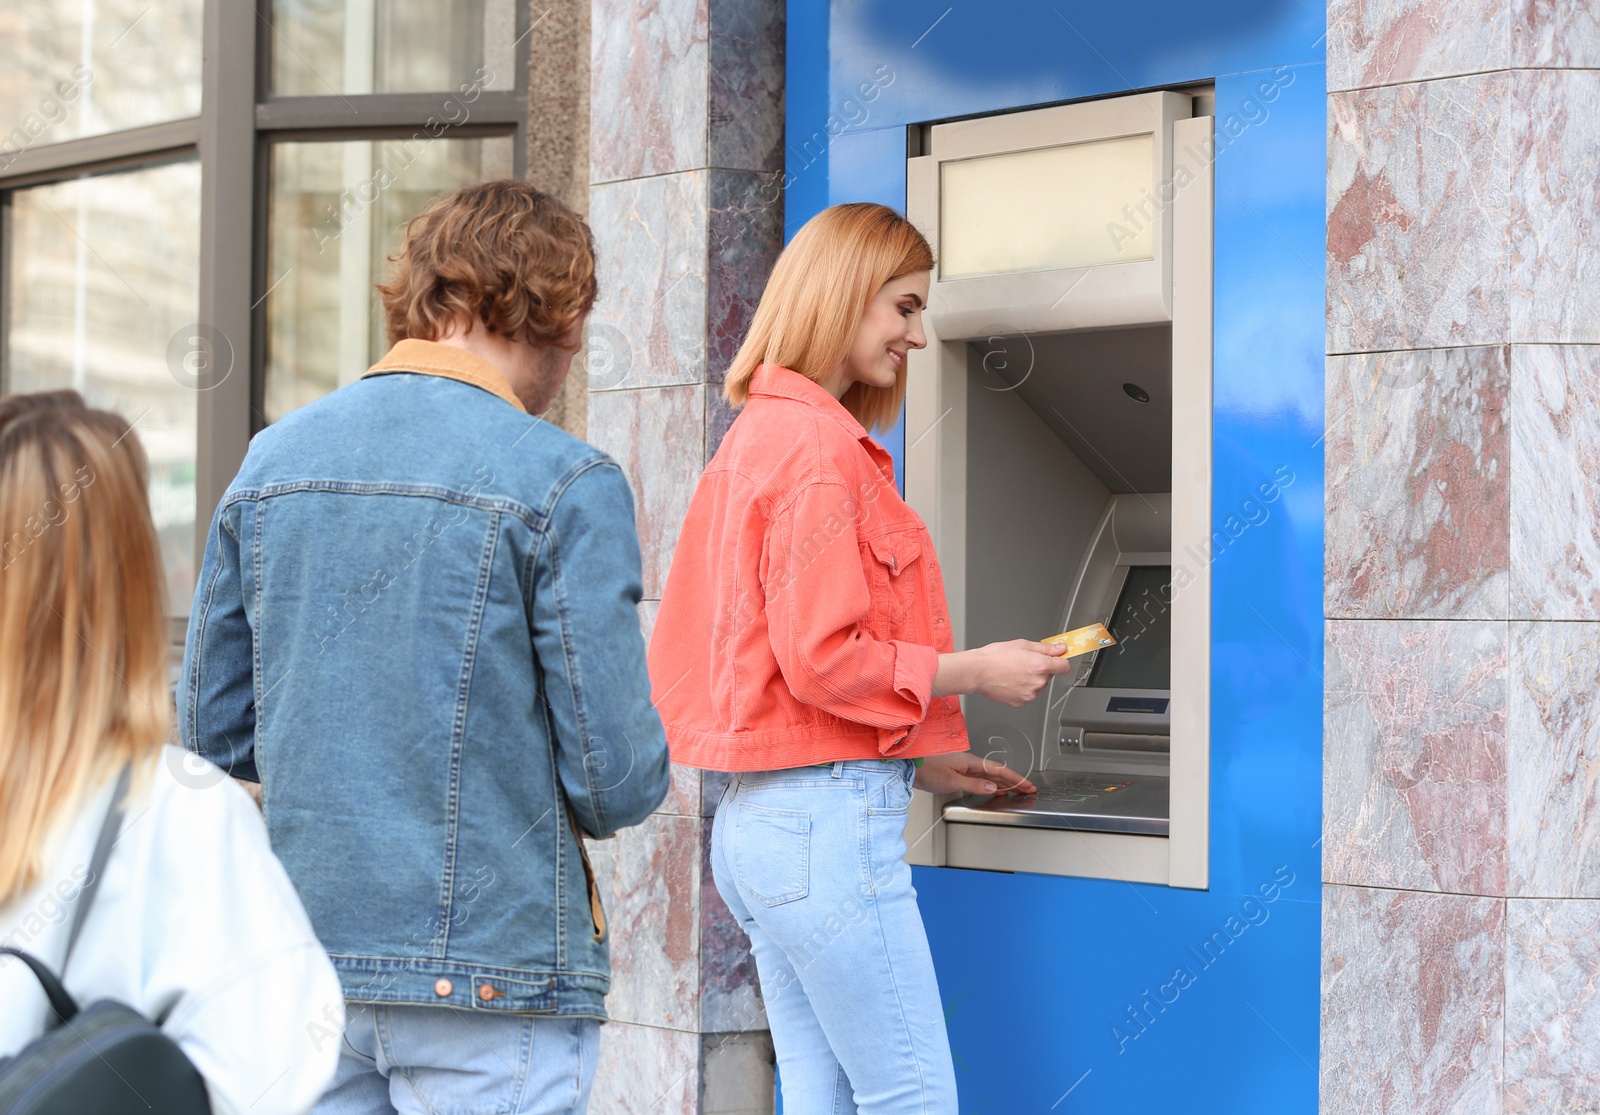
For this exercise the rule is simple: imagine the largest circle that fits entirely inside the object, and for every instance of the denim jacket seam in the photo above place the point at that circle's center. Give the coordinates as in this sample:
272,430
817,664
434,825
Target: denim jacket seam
561,845
458,730
559,489
255,644
579,709
522,511
545,527
192,679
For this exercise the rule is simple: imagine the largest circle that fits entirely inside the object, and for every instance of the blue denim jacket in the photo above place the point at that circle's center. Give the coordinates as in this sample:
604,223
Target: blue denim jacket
416,626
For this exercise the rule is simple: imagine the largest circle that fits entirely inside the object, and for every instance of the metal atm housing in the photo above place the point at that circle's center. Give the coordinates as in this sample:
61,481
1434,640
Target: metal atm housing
1058,445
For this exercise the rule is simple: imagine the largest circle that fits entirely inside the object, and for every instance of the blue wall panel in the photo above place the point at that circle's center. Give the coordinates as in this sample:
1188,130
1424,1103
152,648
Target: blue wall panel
1054,987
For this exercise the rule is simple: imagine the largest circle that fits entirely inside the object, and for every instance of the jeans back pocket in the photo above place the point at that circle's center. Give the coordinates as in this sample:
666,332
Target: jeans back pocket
771,853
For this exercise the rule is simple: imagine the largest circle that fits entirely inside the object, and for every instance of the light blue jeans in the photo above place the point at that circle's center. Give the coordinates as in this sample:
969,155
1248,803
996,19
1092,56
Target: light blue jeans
446,1061
811,862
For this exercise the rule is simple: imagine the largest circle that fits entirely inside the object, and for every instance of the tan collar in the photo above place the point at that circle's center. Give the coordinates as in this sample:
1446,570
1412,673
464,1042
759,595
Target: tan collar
430,358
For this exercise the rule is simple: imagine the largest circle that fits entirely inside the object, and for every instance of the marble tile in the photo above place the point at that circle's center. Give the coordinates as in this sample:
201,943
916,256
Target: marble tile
744,236
684,791
645,431
719,419
683,796
730,991
747,79
650,236
1417,494
1412,1003
1418,214
649,877
647,88
1555,33
1384,42
1414,755
1555,253
1553,765
1552,1057
1555,487
646,1071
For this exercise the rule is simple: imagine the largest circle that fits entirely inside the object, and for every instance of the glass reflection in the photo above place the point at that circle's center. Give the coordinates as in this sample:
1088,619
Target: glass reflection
69,70
337,211
325,47
103,274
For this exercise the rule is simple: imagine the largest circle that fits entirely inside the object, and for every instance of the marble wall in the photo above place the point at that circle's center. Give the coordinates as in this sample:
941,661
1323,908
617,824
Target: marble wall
685,147
1461,834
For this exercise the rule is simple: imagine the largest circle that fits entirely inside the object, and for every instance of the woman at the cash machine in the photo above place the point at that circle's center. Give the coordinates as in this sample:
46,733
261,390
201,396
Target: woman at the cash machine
803,642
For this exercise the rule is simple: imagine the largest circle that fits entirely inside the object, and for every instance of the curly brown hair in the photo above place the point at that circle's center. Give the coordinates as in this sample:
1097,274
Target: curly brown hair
501,253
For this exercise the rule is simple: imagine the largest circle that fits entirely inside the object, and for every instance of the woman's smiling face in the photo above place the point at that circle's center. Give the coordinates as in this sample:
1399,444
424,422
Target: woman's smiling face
890,327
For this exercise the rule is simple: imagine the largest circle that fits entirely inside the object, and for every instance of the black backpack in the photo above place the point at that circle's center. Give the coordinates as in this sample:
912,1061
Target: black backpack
107,1059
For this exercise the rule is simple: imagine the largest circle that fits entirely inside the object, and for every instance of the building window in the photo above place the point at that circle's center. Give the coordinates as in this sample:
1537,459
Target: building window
330,232
198,196
105,272
68,71
402,46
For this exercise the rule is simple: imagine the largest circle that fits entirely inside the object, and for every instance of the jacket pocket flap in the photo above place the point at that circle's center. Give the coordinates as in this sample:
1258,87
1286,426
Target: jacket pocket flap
896,550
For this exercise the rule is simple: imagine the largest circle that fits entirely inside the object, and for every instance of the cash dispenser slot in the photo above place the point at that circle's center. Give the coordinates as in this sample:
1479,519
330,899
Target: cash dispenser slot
1058,445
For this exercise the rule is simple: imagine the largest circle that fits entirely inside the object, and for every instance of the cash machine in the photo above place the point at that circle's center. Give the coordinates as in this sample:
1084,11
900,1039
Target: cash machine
1058,445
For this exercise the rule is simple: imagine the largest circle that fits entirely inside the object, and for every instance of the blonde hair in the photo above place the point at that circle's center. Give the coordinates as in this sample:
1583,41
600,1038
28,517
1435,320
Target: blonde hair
83,677
815,299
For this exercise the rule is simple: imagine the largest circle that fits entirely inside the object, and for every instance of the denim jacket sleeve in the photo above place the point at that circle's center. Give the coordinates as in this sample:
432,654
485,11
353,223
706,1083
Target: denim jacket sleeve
216,694
611,752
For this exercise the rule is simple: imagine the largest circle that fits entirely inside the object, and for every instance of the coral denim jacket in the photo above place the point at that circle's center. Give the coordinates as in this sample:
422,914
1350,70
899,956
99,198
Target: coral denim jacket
417,626
804,615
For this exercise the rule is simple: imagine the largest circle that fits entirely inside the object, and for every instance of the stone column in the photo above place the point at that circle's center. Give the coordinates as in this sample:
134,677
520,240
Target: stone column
1461,855
685,152
558,142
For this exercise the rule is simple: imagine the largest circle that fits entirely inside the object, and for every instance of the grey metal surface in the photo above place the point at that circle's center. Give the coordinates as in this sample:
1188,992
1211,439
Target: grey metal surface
361,113
1073,381
94,154
228,205
1084,802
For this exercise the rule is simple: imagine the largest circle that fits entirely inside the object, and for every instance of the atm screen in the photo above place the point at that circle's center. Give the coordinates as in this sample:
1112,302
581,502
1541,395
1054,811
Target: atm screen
1142,623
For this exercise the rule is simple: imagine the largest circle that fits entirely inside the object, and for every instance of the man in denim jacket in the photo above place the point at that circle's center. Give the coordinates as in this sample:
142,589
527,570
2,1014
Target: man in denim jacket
416,626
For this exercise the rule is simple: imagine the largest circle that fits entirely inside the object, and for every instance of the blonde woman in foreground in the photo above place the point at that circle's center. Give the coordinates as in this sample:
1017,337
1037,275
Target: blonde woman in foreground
803,642
194,923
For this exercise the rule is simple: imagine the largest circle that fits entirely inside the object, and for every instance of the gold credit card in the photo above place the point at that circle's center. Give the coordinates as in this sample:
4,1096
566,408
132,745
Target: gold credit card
1084,639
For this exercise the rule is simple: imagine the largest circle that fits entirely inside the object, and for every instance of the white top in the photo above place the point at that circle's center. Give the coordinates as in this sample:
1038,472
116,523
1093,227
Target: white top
194,918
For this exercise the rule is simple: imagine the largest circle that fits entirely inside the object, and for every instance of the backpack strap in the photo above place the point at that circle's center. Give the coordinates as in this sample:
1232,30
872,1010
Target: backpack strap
97,863
60,1001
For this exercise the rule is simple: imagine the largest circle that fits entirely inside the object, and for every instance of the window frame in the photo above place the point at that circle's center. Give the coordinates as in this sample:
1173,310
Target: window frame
232,137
